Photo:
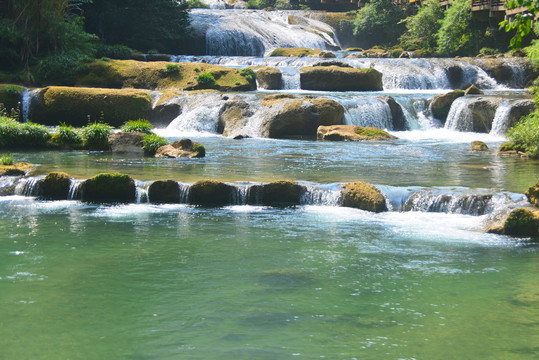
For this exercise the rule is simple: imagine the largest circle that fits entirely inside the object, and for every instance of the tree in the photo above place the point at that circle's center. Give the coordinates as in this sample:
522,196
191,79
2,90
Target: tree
379,22
421,28
521,22
140,24
456,34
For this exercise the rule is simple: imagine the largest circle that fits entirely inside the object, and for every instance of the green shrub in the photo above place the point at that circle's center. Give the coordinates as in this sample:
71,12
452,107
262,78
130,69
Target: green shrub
140,125
119,52
248,74
525,134
7,159
152,142
66,135
206,81
172,69
27,135
197,4
96,136
61,69
489,51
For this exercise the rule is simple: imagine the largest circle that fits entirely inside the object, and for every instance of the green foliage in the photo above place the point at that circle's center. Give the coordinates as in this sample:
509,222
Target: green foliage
248,74
525,134
7,159
200,149
152,142
197,4
456,35
14,134
66,135
378,22
422,27
96,136
520,23
283,5
173,69
119,52
61,69
489,51
140,125
206,81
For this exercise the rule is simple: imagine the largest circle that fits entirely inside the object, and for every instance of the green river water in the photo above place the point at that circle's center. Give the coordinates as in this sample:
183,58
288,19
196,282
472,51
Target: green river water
143,281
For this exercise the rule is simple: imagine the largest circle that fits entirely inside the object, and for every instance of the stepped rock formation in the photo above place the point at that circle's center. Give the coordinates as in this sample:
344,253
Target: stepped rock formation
352,133
336,78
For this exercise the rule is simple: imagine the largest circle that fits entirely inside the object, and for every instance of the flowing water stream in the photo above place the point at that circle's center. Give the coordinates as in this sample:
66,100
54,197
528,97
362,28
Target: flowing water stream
319,280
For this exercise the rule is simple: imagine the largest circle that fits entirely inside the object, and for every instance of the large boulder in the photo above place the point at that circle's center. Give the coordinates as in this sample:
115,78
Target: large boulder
127,143
397,114
279,193
164,192
269,78
363,196
479,146
352,133
533,194
210,193
166,109
184,148
483,113
75,106
473,90
109,188
336,78
233,117
17,169
330,111
442,103
513,72
55,186
519,109
520,222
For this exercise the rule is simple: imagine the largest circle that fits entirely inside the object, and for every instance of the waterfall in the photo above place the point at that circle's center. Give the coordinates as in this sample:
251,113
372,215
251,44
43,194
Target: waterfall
291,79
28,186
501,119
26,102
322,195
200,114
141,192
240,195
184,192
460,117
363,111
74,192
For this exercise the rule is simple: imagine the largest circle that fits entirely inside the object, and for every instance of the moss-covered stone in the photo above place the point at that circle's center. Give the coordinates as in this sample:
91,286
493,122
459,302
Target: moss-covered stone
75,106
330,111
210,193
363,196
352,133
55,186
533,194
479,146
336,78
127,143
295,52
10,96
164,192
17,169
520,222
154,75
269,78
184,148
109,188
473,90
279,193
442,103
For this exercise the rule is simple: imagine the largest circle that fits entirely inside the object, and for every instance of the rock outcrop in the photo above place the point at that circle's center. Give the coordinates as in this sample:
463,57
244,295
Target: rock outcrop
363,196
269,78
442,103
184,148
479,146
279,193
352,133
522,222
164,192
210,193
337,78
127,143
533,194
17,169
55,186
109,188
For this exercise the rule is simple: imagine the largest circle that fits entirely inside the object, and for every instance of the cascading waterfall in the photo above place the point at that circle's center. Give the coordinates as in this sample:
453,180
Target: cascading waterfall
141,192
28,186
501,119
364,111
460,117
322,195
74,192
200,114
26,103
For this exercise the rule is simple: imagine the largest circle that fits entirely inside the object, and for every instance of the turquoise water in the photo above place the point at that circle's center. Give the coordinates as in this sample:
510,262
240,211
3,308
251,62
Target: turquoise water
145,281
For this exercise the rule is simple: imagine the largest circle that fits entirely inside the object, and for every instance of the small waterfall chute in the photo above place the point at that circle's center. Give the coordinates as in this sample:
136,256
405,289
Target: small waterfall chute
460,117
322,195
74,192
28,186
141,192
366,111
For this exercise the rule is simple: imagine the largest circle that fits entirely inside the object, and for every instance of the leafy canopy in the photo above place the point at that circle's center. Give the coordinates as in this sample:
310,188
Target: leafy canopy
379,22
422,27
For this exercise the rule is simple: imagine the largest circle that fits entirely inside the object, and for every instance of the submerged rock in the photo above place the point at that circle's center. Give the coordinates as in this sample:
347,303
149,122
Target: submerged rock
479,146
520,222
184,148
442,103
164,192
210,193
109,188
336,78
279,193
363,196
127,143
269,78
533,194
55,186
352,133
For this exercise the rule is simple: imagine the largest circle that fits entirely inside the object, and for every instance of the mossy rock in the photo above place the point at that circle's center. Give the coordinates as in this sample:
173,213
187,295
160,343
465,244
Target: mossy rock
533,194
10,96
442,103
330,111
55,186
164,192
522,222
210,193
295,52
75,106
352,133
17,169
184,148
279,193
479,146
273,99
336,78
109,188
473,90
154,75
363,196
269,78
